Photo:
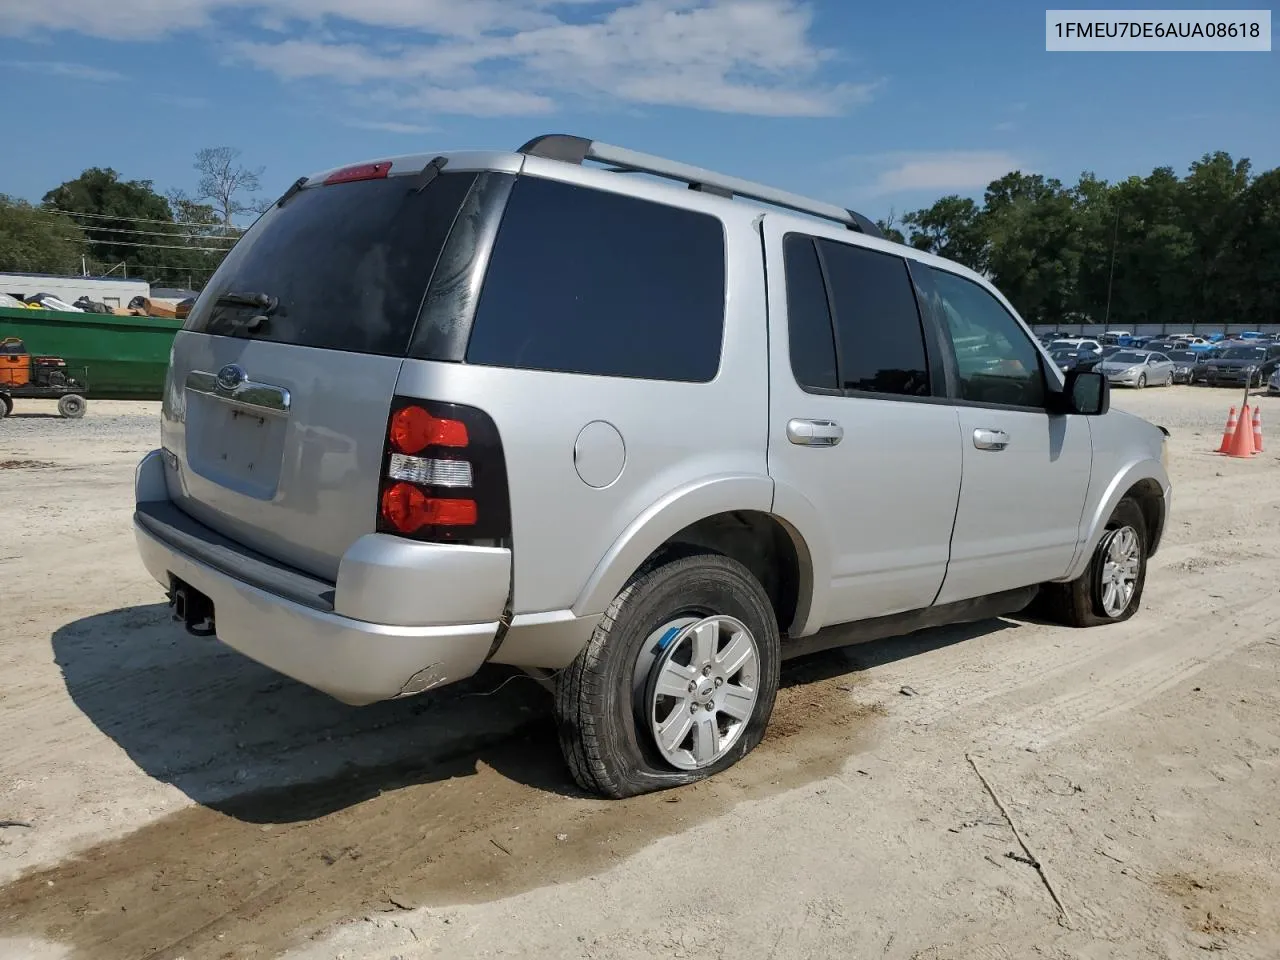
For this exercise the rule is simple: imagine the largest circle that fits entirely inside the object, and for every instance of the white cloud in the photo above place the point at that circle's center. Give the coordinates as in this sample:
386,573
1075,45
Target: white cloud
75,71
950,170
504,56
152,19
389,126
479,100
117,20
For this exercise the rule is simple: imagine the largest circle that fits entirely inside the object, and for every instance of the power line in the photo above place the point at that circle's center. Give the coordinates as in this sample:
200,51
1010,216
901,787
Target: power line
107,216
152,233
176,267
149,246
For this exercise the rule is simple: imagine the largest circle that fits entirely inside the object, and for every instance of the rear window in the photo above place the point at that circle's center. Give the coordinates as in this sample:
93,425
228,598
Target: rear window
348,264
591,282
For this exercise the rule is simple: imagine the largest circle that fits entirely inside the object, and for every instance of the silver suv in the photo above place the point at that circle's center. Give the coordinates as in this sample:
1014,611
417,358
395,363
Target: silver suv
641,429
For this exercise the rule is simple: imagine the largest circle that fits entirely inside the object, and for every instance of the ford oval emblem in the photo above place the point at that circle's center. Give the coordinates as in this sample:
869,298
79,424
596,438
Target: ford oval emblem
231,376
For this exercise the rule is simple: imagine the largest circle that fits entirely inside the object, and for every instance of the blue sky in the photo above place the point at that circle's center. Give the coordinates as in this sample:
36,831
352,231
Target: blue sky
879,106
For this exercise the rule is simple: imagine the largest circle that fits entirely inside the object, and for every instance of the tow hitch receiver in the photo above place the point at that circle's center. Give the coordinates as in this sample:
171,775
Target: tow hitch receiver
191,607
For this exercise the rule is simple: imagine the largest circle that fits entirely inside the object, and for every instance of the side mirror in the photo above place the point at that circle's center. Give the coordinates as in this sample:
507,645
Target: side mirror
1086,393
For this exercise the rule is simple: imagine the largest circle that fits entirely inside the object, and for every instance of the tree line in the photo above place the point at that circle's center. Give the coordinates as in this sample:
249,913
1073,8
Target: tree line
102,224
1200,248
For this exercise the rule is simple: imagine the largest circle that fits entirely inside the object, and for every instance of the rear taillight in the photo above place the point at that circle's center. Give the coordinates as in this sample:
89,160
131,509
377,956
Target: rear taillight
444,476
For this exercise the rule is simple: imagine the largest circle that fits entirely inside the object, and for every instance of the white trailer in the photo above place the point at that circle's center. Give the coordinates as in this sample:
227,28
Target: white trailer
113,291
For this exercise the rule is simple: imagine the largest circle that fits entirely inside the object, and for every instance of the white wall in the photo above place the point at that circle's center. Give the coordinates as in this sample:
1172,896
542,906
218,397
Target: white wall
1156,329
114,293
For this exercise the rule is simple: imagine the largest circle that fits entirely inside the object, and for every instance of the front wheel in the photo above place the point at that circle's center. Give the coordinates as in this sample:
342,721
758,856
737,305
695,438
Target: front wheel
676,684
6,406
1110,589
1142,380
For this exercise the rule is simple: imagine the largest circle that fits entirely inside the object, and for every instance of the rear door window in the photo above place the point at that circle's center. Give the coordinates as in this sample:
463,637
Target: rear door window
880,338
591,282
347,263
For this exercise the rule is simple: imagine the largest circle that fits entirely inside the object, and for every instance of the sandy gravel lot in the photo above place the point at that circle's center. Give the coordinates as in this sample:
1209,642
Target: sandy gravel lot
161,797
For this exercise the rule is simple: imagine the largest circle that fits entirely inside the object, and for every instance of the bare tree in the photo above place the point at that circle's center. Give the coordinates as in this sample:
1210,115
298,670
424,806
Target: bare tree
223,182
889,227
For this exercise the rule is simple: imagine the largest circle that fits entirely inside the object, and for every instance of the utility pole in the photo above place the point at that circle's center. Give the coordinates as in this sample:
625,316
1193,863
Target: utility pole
1115,233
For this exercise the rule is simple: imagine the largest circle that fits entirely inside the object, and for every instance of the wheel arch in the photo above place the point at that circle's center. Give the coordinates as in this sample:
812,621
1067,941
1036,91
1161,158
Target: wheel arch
1146,483
734,516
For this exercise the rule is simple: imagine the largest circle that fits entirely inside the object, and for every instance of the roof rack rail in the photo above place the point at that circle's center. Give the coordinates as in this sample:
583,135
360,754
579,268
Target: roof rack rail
577,150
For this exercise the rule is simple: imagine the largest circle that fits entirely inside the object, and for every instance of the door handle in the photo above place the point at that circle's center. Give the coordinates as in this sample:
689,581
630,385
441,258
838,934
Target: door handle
986,439
815,433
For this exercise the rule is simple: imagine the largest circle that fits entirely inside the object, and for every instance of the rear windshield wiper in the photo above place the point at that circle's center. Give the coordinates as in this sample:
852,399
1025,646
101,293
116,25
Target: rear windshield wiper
262,301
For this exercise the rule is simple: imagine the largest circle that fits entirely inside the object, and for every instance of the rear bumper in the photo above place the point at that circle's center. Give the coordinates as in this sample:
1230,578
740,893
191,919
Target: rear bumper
1225,378
295,624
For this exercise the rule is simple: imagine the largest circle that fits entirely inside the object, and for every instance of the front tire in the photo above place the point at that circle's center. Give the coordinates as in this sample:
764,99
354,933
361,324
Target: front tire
1110,589
1142,380
677,682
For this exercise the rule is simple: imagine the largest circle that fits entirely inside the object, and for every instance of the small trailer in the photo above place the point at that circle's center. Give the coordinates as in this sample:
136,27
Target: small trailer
24,377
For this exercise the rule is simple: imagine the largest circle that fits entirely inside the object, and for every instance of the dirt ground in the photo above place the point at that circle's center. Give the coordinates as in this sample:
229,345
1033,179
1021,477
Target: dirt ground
162,797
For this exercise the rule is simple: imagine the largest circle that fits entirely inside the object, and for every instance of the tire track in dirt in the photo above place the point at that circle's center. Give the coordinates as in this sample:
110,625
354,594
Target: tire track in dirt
1038,660
1132,674
261,871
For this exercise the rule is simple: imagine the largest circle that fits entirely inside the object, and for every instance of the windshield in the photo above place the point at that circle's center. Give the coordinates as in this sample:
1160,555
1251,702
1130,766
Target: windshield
1128,356
1243,353
1184,356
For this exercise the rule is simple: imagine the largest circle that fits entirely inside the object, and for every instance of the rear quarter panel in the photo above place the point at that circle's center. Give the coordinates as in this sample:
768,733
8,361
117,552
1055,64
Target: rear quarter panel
574,546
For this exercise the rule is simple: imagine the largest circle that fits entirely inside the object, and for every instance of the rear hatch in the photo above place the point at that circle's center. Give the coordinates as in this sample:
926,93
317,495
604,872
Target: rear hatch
281,380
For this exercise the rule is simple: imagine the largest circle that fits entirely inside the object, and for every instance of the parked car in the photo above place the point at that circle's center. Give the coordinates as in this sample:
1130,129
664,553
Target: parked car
1242,364
1185,363
1068,359
1076,343
1273,384
1115,338
434,412
1138,368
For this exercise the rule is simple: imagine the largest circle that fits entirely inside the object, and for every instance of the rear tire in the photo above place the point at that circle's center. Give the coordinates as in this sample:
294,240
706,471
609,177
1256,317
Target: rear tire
72,406
1083,602
608,699
6,406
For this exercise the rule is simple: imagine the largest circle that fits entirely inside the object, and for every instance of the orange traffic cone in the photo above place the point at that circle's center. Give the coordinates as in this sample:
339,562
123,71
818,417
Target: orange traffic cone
1229,432
1242,442
1257,429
